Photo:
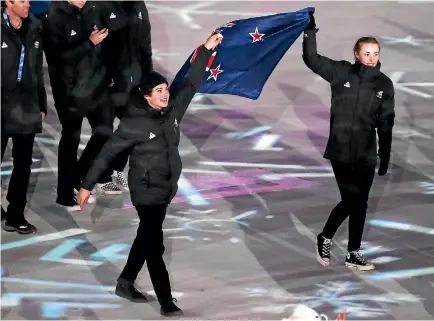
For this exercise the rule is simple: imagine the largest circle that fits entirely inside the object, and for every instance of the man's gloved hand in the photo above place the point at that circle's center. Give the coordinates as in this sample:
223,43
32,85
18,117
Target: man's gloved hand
384,165
312,24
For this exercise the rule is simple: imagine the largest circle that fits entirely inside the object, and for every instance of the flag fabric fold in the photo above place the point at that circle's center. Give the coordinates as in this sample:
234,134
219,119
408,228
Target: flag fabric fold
250,51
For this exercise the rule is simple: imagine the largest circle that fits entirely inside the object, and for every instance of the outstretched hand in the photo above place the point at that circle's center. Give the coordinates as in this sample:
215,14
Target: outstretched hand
213,41
83,197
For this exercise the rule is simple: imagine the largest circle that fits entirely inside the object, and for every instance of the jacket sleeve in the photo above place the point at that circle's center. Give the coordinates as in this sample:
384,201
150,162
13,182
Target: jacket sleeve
145,46
42,94
122,139
57,45
385,123
325,67
185,91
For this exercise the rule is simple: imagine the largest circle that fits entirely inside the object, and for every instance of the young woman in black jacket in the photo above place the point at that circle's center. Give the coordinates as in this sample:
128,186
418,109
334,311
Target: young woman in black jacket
150,131
362,104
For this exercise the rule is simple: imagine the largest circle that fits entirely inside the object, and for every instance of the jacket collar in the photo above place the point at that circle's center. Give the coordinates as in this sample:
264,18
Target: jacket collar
366,71
139,107
66,7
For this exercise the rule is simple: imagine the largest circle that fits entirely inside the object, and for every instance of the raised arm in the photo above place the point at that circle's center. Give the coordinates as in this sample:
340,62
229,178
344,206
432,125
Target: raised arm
325,67
186,90
385,123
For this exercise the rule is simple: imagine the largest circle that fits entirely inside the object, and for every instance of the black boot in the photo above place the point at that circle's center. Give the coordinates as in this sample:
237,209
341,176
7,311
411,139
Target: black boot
169,309
125,289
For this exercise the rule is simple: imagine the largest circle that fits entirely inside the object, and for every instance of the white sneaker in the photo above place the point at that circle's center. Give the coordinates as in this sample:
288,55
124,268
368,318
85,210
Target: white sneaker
304,313
108,188
120,180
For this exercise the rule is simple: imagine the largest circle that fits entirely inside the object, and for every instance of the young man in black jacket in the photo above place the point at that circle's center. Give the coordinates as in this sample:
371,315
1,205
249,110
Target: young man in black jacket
24,104
150,131
362,102
72,35
127,53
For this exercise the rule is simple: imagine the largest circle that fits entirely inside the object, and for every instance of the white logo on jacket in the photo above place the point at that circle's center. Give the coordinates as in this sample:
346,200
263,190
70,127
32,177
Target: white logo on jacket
112,16
347,84
73,33
151,135
36,44
380,94
140,15
4,45
176,123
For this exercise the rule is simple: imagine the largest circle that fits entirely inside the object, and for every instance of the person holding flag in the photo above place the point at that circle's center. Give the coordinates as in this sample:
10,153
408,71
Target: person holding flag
362,102
150,131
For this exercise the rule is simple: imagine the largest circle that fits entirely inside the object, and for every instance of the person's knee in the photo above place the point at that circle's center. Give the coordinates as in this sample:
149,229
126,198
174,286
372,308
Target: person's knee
23,163
71,134
156,250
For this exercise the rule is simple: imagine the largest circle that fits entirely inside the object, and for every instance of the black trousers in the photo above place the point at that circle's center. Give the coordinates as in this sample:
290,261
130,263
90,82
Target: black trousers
148,246
22,151
70,170
354,186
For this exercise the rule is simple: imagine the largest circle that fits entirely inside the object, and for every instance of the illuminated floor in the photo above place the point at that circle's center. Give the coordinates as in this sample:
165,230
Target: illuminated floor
255,191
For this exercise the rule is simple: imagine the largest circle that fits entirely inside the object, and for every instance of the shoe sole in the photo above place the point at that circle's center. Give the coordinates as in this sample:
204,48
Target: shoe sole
120,294
13,229
360,267
172,314
109,192
319,258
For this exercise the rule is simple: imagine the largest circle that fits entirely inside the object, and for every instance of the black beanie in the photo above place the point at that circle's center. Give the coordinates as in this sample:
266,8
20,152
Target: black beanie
152,79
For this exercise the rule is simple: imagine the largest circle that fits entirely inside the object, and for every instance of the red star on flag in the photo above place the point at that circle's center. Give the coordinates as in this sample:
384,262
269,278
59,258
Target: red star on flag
256,35
215,72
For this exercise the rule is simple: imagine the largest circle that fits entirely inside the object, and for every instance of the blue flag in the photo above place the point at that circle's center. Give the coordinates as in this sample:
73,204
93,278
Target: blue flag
250,50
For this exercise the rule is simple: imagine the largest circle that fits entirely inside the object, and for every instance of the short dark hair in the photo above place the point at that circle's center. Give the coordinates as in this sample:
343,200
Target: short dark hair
364,40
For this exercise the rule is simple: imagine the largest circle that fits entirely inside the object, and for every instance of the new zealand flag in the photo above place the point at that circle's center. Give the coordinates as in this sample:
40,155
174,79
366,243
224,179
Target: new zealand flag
250,50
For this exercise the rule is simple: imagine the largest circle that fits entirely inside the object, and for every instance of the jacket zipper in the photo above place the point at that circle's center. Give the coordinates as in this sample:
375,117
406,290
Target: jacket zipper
352,126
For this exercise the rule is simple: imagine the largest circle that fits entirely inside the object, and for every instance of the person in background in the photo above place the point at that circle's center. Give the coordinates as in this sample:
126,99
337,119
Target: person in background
23,102
362,103
128,56
72,36
150,132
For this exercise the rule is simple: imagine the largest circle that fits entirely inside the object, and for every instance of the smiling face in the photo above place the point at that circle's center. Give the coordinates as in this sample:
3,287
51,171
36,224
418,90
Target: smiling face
367,51
369,54
19,8
159,97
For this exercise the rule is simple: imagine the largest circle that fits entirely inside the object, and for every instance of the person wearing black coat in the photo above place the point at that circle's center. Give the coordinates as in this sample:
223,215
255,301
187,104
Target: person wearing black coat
72,36
150,132
127,52
24,104
362,103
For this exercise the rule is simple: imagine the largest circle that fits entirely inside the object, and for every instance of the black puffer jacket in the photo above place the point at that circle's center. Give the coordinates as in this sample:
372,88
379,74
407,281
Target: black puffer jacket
127,51
152,137
77,72
362,101
22,102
